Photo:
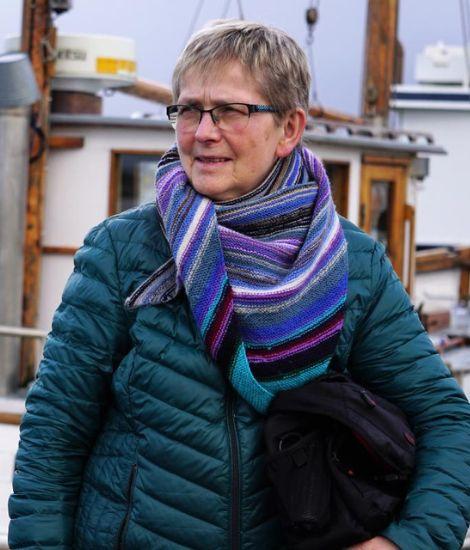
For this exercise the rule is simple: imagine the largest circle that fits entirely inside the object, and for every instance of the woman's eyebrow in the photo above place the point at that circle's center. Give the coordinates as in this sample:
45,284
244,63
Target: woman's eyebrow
191,100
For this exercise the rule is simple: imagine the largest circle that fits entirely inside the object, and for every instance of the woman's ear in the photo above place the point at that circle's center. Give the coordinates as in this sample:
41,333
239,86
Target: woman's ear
293,126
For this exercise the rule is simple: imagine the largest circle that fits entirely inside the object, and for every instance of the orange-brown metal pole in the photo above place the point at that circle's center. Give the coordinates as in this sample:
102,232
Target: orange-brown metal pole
380,56
38,41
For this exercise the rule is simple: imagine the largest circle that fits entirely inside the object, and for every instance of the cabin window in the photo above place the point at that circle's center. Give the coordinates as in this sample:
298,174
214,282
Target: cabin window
380,205
338,174
132,179
384,213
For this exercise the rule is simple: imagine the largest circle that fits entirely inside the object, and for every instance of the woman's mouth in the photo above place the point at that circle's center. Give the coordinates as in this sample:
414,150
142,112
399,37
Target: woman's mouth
212,160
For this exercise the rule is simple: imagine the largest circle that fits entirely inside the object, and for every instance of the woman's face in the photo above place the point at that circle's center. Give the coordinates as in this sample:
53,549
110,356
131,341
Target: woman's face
224,165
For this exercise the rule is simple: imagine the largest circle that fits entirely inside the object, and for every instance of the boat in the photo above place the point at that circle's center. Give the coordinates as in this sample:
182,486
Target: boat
96,166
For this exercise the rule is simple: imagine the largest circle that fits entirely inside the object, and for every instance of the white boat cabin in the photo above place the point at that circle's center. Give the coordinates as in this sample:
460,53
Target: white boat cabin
99,166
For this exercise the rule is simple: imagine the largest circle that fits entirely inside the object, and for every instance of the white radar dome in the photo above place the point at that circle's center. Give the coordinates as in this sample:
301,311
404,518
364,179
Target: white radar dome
90,63
441,64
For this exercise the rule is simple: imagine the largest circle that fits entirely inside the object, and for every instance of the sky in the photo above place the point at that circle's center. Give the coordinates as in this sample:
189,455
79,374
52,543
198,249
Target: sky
160,29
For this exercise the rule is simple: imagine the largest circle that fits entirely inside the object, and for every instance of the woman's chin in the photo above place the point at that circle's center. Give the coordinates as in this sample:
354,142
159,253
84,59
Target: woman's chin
216,188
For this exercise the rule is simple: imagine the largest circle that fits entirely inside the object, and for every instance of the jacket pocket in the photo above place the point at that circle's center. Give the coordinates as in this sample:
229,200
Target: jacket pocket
125,522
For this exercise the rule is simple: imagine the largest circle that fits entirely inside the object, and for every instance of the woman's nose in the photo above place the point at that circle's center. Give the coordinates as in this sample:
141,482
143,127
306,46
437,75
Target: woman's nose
207,129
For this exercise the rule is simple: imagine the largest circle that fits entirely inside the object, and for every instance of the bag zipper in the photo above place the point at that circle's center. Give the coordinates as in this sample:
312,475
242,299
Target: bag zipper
125,521
235,470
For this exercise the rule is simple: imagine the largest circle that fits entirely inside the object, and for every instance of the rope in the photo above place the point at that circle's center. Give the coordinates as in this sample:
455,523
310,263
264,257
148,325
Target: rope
226,8
192,25
311,18
240,10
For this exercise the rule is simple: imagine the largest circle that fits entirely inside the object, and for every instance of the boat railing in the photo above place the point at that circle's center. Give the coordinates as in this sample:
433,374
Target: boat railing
23,332
37,335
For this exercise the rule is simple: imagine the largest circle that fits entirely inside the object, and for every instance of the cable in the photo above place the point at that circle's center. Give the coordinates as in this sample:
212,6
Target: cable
313,88
39,133
467,45
311,16
192,25
465,20
226,8
240,10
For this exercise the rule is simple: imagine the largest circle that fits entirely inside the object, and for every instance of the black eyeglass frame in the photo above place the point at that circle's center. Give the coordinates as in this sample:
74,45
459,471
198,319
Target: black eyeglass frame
173,110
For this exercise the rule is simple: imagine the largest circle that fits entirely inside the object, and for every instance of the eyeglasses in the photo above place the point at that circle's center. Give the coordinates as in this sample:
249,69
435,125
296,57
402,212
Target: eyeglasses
231,117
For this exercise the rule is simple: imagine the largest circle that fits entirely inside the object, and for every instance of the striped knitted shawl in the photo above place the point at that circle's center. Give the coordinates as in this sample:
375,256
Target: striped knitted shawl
265,275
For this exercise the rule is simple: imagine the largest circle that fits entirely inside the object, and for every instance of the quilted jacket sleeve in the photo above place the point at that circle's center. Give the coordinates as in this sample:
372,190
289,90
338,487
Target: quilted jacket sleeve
393,356
66,403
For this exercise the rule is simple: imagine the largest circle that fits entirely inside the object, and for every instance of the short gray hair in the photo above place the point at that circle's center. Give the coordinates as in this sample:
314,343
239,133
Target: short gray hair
274,59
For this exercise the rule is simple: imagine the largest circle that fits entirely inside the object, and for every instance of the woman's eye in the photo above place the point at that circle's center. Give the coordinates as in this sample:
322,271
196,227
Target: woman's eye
182,109
230,109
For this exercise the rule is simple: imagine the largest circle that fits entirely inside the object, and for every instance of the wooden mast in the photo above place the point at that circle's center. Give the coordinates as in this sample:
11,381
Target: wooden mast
38,41
380,58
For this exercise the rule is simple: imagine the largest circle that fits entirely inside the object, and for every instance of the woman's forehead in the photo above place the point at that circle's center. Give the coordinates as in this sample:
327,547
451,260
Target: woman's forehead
220,83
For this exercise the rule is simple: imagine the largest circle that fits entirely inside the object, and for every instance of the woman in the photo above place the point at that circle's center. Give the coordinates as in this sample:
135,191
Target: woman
182,320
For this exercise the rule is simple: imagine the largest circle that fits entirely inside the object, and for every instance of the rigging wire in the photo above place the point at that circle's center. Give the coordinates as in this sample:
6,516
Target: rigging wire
226,8
311,19
240,10
192,25
467,48
465,20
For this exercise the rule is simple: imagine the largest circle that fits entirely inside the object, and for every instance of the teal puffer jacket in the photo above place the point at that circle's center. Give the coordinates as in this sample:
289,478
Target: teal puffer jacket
132,438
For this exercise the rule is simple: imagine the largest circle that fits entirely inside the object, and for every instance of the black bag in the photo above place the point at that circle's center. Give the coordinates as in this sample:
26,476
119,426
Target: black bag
340,459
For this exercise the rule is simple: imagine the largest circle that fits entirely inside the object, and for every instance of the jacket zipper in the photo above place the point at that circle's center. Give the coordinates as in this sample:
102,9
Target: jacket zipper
125,521
235,470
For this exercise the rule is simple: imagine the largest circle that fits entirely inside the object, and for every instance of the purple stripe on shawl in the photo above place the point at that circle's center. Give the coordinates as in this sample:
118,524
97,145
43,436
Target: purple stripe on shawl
263,250
296,364
211,293
199,236
308,341
245,298
220,321
165,185
275,332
